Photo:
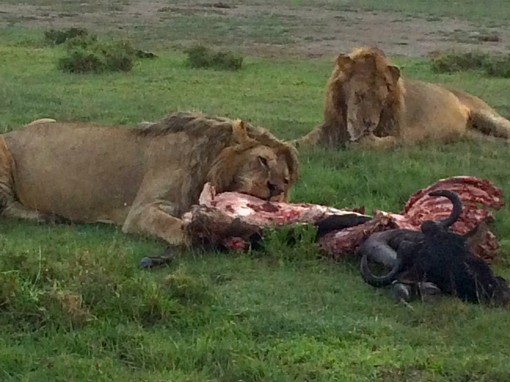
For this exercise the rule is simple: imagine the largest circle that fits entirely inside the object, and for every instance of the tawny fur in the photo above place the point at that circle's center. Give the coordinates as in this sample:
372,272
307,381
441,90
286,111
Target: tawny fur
368,102
141,178
41,120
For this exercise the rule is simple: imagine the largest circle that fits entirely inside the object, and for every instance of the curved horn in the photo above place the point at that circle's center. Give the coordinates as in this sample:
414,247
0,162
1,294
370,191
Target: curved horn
376,249
457,206
339,222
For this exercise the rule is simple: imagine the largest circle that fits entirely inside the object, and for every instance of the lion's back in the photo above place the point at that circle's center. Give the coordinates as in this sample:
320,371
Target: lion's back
74,170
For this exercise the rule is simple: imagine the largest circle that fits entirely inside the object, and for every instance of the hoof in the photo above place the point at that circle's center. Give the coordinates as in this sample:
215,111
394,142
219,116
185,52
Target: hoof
401,292
156,261
146,262
428,289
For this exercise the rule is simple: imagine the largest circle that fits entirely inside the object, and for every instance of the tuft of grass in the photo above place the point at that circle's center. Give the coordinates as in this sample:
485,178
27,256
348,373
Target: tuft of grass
200,56
83,42
493,65
60,36
186,288
290,243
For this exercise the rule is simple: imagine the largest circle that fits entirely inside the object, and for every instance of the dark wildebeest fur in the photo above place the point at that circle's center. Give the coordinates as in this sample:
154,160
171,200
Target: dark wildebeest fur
435,255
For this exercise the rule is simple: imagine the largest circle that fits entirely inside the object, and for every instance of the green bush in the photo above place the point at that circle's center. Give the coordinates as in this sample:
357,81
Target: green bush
200,56
452,61
92,56
498,66
81,61
495,65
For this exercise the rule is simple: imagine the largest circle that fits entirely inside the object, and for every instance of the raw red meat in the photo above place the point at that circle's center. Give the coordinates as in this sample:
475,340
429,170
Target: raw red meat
263,213
477,195
230,218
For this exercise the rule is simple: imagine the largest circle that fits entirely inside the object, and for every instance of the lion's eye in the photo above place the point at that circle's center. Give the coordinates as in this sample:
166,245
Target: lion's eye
263,161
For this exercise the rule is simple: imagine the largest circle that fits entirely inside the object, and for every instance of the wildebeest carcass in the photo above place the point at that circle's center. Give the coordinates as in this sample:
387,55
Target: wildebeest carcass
434,256
231,220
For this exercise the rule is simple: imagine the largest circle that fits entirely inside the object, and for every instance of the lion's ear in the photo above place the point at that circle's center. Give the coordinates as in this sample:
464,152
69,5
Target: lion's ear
344,62
239,131
394,72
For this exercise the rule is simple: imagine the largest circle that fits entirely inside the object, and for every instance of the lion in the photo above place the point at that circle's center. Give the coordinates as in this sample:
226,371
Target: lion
368,102
142,178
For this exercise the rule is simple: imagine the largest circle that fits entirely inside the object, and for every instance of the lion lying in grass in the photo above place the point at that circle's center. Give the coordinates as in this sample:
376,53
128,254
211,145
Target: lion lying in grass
143,178
368,102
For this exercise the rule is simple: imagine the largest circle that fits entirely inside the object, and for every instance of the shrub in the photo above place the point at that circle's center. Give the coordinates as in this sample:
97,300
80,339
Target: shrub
452,61
60,36
200,56
495,65
81,61
85,56
498,66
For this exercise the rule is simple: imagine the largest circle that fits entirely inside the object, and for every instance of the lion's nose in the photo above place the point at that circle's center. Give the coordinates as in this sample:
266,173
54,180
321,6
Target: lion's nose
274,190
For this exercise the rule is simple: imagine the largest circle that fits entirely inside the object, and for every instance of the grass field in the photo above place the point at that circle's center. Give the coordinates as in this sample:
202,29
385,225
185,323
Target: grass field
75,307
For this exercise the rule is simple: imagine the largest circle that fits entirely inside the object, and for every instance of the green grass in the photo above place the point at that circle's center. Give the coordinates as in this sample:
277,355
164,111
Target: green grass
75,307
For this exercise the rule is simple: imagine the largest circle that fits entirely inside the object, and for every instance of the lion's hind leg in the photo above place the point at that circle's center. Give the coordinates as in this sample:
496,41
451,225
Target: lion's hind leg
9,206
15,209
6,168
490,123
482,117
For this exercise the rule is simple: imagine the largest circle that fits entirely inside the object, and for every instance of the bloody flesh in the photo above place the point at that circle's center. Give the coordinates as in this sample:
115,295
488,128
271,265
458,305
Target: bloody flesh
230,218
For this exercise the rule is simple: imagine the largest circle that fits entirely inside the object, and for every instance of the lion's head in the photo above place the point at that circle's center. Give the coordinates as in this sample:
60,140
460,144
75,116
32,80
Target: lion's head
256,164
232,155
364,84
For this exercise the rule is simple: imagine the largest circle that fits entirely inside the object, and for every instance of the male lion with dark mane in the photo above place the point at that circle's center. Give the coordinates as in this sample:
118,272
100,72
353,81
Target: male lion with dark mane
141,178
368,102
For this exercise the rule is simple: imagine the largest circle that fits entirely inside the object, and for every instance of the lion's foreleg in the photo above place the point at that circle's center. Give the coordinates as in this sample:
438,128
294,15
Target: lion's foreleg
313,138
371,141
155,220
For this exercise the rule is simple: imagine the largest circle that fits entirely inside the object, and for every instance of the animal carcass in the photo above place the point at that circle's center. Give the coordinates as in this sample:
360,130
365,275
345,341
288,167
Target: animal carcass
232,220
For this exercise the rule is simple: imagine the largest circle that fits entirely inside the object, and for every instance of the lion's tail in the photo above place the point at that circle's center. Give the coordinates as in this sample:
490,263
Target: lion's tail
490,123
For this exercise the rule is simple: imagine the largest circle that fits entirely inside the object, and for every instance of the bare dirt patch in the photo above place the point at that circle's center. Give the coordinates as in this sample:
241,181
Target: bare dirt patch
259,28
